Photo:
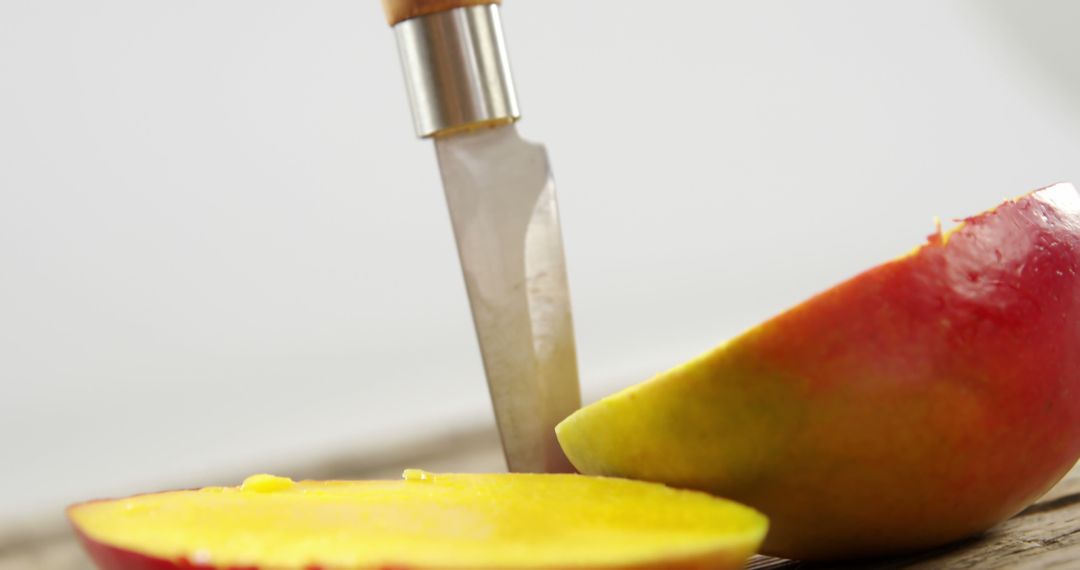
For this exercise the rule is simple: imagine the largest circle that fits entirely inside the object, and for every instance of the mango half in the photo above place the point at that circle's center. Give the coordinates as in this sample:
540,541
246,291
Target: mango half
922,401
424,521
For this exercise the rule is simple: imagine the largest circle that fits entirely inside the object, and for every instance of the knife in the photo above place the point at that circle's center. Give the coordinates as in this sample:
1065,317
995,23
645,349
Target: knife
501,197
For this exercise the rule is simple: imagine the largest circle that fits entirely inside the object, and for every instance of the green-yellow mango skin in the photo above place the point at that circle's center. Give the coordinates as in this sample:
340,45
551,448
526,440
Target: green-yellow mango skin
915,404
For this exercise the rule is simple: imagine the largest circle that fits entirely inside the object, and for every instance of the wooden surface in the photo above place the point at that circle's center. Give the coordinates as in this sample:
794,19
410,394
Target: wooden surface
1046,535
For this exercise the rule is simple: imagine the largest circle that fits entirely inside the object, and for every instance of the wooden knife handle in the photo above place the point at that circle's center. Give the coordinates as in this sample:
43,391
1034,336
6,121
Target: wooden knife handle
398,10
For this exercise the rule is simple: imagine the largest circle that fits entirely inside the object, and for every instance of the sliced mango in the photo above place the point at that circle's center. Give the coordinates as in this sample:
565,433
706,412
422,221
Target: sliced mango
425,521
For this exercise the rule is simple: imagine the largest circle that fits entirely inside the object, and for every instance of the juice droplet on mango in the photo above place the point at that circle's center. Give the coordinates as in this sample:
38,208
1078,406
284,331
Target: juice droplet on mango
263,483
418,475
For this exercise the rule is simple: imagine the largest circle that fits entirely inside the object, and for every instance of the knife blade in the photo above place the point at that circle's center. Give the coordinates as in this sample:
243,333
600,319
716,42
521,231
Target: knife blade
501,196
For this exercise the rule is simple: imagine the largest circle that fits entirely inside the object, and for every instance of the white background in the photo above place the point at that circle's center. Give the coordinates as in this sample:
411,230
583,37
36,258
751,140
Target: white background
221,246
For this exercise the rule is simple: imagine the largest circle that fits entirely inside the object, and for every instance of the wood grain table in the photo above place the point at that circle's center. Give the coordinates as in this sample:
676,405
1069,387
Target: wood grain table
1045,535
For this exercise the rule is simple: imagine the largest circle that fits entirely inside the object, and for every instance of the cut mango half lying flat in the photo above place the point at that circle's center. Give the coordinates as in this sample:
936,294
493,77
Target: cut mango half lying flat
424,521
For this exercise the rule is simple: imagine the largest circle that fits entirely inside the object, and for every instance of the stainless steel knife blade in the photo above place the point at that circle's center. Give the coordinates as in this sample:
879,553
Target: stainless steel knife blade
501,197
502,203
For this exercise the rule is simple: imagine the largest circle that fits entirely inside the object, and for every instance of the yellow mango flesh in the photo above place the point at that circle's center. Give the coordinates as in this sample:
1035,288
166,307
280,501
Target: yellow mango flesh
429,521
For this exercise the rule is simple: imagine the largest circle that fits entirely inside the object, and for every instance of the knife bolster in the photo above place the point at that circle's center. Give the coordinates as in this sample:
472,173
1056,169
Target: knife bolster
456,70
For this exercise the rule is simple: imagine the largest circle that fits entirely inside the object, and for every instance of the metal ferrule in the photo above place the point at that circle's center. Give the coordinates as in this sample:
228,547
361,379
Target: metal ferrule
456,70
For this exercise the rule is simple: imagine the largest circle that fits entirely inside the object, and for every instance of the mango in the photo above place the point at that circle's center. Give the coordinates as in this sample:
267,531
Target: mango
920,402
425,521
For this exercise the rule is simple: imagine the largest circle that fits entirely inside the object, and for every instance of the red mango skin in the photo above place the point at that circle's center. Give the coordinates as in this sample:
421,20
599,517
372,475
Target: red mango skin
917,403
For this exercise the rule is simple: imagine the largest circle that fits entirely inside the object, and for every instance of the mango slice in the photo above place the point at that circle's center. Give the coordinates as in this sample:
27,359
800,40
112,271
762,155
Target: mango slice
922,401
425,521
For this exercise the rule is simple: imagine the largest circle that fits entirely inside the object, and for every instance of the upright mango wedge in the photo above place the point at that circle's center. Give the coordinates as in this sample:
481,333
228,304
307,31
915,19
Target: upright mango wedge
425,521
922,401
